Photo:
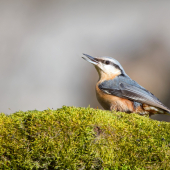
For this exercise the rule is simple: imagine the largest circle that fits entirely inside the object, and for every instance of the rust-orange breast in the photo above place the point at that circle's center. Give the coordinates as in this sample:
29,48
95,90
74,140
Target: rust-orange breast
110,102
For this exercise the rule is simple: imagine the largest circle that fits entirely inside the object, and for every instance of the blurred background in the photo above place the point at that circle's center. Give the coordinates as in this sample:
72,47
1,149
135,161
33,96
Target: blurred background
41,45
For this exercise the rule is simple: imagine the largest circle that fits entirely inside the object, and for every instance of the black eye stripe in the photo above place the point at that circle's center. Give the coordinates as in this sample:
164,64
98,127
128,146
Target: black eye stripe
116,66
107,62
110,63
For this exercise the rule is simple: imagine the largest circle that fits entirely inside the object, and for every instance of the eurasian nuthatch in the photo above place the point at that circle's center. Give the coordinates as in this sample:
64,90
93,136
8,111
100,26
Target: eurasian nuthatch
115,90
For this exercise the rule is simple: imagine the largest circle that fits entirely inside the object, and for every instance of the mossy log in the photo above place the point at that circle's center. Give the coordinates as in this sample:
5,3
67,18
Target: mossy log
82,138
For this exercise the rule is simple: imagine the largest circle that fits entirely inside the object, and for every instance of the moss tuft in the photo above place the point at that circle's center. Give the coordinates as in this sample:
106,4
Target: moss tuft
82,138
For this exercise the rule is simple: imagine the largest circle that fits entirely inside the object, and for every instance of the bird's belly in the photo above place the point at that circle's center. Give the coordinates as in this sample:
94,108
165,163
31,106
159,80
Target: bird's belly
110,102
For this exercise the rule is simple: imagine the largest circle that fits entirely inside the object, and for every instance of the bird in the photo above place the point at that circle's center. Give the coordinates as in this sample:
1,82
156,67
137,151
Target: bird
116,91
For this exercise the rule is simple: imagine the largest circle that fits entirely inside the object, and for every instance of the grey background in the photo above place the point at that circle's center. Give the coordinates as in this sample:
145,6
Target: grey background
41,45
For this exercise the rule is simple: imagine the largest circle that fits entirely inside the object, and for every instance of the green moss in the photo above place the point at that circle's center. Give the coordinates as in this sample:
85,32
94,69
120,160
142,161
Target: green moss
82,138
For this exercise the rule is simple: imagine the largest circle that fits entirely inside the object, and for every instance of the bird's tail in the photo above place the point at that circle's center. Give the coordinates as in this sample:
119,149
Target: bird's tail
155,110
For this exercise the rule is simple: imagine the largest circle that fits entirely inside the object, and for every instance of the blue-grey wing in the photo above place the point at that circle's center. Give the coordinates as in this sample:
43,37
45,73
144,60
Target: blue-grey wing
125,87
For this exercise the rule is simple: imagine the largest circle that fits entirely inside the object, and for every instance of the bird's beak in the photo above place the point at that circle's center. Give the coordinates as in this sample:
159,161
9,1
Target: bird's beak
90,59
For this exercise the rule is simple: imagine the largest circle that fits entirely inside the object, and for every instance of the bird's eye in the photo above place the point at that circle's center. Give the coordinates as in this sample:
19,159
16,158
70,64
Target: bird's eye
107,62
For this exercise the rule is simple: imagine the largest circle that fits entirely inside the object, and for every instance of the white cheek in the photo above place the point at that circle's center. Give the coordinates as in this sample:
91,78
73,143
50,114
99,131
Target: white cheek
110,69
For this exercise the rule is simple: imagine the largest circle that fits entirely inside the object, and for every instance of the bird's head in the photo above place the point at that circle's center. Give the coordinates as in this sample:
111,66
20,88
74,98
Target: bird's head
107,67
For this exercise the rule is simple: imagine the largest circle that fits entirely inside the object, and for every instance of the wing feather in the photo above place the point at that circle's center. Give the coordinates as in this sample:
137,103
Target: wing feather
129,89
